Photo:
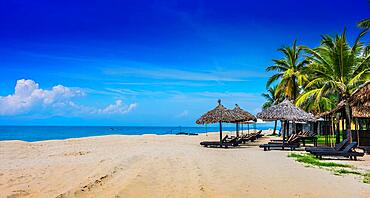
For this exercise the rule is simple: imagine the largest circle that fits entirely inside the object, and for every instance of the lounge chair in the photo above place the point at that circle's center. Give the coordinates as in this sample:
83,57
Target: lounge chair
225,142
348,151
307,136
337,147
246,138
293,137
301,137
292,143
251,137
258,134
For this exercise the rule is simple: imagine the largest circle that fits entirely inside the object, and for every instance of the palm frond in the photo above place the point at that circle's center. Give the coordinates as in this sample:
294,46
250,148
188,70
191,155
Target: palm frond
365,23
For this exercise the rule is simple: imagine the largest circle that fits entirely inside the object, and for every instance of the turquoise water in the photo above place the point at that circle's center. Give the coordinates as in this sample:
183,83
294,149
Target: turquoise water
39,133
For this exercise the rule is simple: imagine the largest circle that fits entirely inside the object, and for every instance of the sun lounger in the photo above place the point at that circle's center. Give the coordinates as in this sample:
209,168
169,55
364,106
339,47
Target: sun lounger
301,137
281,141
251,137
282,146
224,143
259,134
337,147
247,138
292,143
348,151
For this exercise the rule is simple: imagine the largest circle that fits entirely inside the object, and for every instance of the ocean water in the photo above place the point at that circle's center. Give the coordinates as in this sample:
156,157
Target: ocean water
39,133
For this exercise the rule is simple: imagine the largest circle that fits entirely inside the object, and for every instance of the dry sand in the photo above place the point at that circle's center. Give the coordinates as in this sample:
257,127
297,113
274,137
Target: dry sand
162,166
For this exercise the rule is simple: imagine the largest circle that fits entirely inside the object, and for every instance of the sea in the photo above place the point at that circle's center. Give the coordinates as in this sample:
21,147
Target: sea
40,133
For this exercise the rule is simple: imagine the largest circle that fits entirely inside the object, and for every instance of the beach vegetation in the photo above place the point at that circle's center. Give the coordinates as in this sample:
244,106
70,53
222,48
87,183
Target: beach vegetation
288,70
311,160
318,79
336,69
365,23
366,176
366,179
344,171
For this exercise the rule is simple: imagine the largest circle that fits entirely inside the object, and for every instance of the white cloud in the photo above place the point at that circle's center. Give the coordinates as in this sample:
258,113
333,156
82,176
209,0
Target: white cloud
29,98
117,108
183,114
179,74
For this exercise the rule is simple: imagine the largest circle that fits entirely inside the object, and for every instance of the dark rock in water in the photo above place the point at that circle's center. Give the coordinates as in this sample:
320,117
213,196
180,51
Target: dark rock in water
185,133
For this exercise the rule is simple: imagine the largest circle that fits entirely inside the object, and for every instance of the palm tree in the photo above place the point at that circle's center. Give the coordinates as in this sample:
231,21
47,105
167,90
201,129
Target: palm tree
289,71
272,97
364,23
336,70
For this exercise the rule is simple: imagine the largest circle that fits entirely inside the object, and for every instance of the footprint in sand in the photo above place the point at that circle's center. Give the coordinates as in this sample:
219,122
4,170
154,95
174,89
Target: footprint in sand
18,193
79,153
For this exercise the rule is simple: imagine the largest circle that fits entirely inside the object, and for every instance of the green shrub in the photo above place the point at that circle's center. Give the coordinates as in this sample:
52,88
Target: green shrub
344,171
310,159
366,179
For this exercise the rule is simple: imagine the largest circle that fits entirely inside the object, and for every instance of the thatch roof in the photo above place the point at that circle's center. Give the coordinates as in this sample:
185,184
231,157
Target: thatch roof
218,114
285,111
244,115
361,111
361,95
359,102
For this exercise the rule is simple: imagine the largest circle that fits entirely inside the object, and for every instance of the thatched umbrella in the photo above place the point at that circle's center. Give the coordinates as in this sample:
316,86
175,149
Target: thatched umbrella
218,115
285,111
245,116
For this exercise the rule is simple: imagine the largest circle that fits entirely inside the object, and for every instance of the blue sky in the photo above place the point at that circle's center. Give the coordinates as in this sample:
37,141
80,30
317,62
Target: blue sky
155,63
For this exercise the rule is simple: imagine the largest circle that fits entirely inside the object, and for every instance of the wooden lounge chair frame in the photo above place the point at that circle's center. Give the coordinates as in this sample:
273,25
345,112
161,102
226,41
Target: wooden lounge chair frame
337,147
301,138
292,143
224,143
348,151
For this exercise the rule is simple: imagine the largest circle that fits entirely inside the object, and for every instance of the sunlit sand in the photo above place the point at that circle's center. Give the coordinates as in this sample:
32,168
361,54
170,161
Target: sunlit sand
162,166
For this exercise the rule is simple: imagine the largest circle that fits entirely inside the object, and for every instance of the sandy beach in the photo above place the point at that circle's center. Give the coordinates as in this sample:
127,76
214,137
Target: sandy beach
162,166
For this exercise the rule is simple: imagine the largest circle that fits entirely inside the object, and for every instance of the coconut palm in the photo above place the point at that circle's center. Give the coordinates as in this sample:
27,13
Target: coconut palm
289,71
272,97
336,70
364,23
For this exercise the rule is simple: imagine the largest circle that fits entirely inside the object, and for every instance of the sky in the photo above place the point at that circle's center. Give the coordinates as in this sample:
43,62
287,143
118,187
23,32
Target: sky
150,63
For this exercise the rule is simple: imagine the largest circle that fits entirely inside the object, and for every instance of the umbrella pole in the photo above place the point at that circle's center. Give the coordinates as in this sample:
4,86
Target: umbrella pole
237,129
220,132
284,131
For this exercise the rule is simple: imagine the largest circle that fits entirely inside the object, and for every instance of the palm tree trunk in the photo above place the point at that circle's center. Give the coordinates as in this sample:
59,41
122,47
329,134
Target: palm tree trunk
348,122
274,133
221,133
337,132
294,89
